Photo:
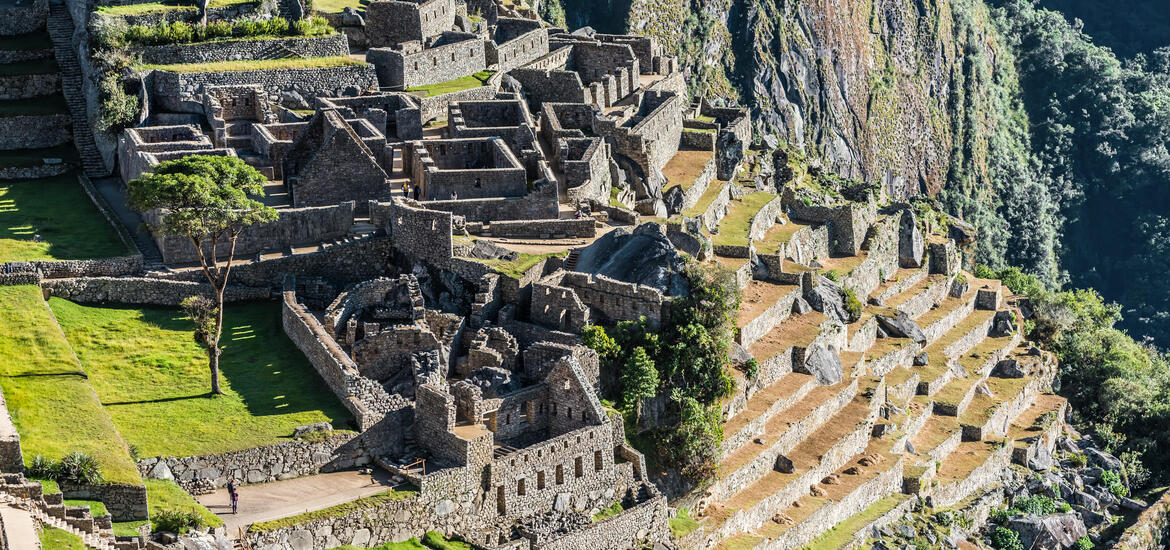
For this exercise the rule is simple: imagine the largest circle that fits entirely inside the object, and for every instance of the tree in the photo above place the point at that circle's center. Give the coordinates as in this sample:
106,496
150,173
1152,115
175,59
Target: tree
639,380
207,199
203,312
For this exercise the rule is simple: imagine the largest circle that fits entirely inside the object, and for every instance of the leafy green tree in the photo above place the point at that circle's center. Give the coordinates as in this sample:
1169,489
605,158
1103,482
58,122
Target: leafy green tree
639,380
209,200
693,445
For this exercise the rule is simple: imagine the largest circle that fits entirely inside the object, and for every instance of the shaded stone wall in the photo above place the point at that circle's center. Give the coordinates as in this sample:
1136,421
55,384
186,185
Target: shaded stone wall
35,131
11,459
543,229
210,52
124,502
551,86
59,269
180,92
142,290
16,20
29,85
465,54
1152,529
646,521
541,203
616,300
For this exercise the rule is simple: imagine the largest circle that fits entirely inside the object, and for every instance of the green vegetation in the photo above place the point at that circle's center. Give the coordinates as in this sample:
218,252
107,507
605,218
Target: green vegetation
609,512
1112,480
43,383
432,540
165,497
1005,539
181,32
842,533
459,84
152,377
336,6
364,503
736,225
95,506
56,539
76,467
159,7
688,357
683,524
257,65
33,207
523,262
553,12
1084,543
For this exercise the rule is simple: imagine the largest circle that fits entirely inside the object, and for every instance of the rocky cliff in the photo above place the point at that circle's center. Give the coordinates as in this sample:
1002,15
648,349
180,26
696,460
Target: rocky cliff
875,89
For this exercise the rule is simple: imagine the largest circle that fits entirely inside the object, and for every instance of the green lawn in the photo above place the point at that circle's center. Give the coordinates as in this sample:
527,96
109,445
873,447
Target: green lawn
735,226
162,494
842,533
56,539
433,540
682,524
256,65
96,507
158,7
57,209
336,6
459,84
152,378
52,403
523,262
44,105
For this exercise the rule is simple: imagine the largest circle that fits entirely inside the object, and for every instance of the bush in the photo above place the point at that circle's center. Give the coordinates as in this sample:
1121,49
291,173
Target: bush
176,521
832,275
1112,481
751,368
1039,505
42,468
1083,543
852,305
79,468
118,108
1080,460
1005,539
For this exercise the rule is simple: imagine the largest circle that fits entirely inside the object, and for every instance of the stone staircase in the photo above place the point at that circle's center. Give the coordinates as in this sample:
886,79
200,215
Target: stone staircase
938,418
60,27
50,509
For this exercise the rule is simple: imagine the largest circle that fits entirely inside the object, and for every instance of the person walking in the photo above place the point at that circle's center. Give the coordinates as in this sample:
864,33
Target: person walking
234,496
417,192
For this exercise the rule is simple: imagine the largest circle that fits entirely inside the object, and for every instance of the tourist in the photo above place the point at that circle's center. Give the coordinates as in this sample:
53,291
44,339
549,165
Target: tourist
417,192
454,196
233,495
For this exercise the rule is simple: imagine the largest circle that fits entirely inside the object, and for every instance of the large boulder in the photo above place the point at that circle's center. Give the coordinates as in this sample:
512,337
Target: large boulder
492,380
1003,325
644,256
1054,532
827,297
900,325
962,232
1009,368
728,154
674,199
911,245
1103,459
822,364
782,173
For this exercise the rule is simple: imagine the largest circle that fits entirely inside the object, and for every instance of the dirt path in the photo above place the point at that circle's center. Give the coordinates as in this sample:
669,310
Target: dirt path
19,528
280,499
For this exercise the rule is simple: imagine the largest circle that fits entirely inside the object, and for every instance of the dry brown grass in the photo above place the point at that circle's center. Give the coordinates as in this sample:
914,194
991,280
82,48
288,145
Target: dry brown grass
758,296
798,330
780,390
684,167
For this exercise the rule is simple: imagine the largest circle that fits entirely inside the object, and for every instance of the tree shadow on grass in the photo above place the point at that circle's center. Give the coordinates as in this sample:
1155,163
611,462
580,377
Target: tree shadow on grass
259,363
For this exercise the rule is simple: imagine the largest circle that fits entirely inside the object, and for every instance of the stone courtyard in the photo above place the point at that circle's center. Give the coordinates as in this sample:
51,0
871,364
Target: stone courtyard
461,194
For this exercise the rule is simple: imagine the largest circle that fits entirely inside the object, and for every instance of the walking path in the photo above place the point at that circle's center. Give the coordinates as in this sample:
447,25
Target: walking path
281,499
19,528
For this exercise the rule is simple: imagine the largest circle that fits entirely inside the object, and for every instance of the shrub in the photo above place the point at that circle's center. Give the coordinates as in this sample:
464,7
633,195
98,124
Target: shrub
1112,481
751,368
117,107
852,305
218,29
1083,543
944,519
277,26
42,468
1039,505
1080,460
1064,507
832,275
1005,539
79,468
301,27
176,521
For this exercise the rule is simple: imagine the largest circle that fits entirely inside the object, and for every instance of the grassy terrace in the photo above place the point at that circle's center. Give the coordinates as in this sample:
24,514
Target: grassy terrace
844,532
29,208
36,66
256,65
161,7
56,539
44,105
44,384
523,262
778,236
336,6
683,524
706,199
162,494
458,85
152,378
735,226
685,167
38,40
339,510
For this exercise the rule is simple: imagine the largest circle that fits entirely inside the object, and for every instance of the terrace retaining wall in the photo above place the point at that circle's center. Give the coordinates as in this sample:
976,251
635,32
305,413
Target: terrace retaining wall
230,50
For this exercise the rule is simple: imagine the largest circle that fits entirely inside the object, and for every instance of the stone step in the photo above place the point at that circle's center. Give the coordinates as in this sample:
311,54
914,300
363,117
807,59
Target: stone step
899,282
782,348
972,466
964,337
61,28
782,433
761,407
957,394
763,306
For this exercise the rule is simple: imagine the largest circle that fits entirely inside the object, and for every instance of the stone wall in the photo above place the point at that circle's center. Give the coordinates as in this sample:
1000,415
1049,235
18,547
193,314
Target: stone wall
544,229
848,223
141,290
35,131
1152,529
29,85
516,43
11,459
294,227
16,20
391,22
585,163
421,233
435,107
182,92
124,502
645,523
541,203
617,300
102,267
550,86
37,171
230,50
264,464
459,55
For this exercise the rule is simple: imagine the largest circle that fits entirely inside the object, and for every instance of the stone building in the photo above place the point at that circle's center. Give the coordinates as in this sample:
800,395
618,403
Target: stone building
507,119
393,22
141,148
469,168
444,57
334,160
397,115
515,42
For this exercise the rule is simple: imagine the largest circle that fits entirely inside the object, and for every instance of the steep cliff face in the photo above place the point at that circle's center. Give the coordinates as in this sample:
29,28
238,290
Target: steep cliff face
867,86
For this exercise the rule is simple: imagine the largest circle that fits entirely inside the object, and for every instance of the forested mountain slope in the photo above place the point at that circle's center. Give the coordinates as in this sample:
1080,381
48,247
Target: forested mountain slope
1008,113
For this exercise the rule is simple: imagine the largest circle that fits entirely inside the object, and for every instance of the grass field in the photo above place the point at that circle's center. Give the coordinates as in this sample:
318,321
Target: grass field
735,226
256,65
523,262
152,378
162,494
160,7
56,539
336,6
57,209
52,403
458,85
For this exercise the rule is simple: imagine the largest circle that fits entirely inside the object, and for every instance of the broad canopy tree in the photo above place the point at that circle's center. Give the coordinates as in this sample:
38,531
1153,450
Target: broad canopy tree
210,200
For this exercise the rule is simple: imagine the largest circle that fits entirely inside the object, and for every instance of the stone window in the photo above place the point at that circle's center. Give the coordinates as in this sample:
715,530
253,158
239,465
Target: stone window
520,487
597,463
560,474
578,467
507,419
539,480
500,507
